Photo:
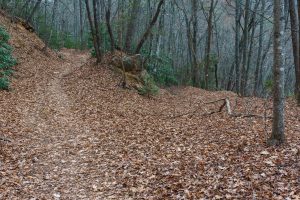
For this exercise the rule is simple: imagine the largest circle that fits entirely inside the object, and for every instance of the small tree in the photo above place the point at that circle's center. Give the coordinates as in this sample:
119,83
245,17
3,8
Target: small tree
94,26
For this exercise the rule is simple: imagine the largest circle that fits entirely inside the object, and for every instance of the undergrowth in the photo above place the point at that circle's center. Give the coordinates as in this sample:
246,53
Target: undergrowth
6,60
149,87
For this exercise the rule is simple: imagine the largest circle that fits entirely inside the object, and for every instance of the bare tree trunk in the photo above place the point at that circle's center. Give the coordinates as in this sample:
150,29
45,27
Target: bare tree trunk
36,6
263,60
132,25
295,44
237,46
277,136
260,43
207,51
96,22
298,71
24,8
93,31
218,52
75,7
81,23
245,49
193,44
158,39
55,3
109,29
253,27
148,31
121,26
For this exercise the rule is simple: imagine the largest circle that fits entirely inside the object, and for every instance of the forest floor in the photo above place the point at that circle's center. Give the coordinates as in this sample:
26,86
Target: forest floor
74,133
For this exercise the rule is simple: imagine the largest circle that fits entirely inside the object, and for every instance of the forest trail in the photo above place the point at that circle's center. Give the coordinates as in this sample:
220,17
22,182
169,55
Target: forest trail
90,139
76,134
56,127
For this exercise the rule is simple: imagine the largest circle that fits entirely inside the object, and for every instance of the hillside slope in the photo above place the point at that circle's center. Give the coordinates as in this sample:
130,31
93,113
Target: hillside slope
76,134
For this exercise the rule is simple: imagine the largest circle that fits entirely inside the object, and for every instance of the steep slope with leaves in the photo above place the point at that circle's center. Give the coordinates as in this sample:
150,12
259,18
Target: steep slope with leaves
76,134
171,147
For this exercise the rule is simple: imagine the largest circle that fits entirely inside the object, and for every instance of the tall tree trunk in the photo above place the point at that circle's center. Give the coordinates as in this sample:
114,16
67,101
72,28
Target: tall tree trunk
237,45
158,39
260,43
55,4
132,25
245,91
95,43
24,8
297,71
230,84
207,50
81,24
96,23
193,44
245,49
109,29
75,34
263,60
295,43
218,52
45,12
36,6
148,31
277,136
121,25
253,27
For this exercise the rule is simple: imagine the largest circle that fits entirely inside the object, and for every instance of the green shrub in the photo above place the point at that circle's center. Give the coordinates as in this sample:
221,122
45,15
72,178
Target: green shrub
161,68
4,83
93,52
149,87
269,85
6,60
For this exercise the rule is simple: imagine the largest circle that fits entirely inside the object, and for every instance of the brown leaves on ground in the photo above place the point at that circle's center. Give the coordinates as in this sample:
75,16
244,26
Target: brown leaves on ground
77,135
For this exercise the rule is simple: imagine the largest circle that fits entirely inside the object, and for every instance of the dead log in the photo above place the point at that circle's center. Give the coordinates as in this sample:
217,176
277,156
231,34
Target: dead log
226,103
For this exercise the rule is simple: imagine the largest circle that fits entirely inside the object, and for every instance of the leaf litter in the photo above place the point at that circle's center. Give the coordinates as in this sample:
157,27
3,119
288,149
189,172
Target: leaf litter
75,134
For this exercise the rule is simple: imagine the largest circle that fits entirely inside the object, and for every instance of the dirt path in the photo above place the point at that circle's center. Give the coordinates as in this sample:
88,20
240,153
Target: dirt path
57,134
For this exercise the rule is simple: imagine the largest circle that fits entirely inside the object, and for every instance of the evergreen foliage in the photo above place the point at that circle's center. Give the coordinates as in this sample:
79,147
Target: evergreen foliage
6,60
162,70
149,87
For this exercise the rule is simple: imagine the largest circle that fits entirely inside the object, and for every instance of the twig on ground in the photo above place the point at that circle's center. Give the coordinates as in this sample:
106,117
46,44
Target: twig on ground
226,103
5,139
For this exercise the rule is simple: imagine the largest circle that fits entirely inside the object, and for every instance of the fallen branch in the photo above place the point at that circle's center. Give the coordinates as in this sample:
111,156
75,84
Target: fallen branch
241,115
249,116
203,103
5,139
226,103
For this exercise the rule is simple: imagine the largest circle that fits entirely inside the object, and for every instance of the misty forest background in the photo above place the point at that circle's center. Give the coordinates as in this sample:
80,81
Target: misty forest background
191,42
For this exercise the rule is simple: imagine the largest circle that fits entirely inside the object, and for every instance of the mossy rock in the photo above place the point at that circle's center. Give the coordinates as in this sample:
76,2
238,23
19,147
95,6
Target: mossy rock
131,64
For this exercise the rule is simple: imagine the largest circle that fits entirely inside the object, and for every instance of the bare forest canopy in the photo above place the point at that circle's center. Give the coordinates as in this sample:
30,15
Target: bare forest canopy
185,42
